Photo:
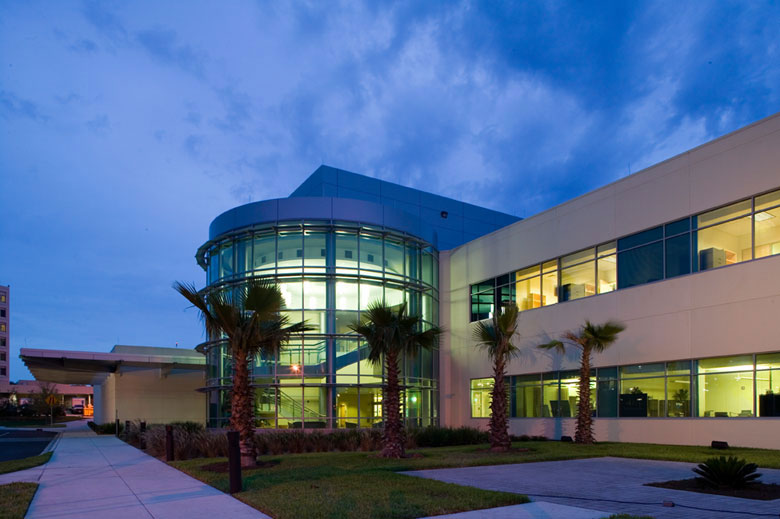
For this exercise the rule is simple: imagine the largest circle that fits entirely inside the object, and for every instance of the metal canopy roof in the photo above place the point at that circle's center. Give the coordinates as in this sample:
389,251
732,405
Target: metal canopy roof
87,367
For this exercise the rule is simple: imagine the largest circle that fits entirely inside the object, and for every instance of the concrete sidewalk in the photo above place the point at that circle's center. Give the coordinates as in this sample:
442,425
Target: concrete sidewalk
609,485
101,476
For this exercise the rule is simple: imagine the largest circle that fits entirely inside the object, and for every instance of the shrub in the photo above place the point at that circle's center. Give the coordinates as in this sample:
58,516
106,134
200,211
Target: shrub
190,427
294,442
447,436
731,472
189,441
106,428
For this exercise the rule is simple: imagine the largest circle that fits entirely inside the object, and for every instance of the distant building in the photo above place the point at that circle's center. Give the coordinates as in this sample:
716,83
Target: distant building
5,333
23,391
156,385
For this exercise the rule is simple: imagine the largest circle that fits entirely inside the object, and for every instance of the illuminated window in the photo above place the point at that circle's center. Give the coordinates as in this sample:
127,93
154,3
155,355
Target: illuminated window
549,282
678,388
528,288
723,236
767,224
315,251
264,252
642,390
289,250
481,389
578,275
768,384
607,268
725,386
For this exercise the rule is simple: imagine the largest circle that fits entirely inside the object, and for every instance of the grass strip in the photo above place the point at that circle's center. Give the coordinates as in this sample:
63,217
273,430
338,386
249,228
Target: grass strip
24,463
15,499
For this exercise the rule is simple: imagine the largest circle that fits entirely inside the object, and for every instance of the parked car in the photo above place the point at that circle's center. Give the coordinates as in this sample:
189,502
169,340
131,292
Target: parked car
77,409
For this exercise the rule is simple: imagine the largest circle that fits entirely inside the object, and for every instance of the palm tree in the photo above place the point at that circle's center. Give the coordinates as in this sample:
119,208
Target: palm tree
590,338
390,333
495,337
250,318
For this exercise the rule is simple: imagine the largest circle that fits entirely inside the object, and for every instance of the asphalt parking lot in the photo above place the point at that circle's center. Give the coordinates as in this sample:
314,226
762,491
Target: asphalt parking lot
16,443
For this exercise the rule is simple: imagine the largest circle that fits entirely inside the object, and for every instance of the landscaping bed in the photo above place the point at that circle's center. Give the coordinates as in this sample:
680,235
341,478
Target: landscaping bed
760,491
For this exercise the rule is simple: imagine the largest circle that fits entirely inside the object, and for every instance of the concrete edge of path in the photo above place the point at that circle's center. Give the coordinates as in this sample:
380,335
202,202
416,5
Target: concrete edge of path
532,510
52,444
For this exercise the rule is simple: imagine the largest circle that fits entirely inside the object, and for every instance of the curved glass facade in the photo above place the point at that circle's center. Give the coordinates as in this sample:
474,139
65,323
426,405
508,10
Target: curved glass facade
328,272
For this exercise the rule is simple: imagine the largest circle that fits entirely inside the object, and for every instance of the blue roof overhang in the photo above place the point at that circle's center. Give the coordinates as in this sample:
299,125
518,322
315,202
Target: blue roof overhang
299,209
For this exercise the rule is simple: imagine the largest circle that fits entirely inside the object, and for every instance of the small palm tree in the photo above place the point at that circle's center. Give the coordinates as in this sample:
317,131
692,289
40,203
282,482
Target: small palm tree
591,338
250,318
495,337
390,333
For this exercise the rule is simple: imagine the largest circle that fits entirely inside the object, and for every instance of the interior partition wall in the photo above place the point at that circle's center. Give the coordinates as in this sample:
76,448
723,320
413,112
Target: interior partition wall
328,273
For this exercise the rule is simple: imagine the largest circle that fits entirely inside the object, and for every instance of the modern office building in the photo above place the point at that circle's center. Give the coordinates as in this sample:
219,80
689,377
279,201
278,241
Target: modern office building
338,243
685,253
5,333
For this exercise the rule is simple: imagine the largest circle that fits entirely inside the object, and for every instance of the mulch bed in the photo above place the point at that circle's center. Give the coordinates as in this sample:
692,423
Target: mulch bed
222,467
761,491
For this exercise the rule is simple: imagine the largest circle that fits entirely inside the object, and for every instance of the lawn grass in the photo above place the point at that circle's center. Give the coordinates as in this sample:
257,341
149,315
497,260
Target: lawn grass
24,463
348,485
359,484
15,499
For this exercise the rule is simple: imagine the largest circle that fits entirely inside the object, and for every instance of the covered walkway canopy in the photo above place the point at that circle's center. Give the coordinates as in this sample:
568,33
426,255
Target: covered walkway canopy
87,367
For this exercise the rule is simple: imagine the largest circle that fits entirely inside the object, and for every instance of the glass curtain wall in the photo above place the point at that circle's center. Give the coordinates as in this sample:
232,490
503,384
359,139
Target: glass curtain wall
327,274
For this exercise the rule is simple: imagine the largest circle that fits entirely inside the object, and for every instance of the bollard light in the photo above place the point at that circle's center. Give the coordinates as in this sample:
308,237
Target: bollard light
168,443
234,462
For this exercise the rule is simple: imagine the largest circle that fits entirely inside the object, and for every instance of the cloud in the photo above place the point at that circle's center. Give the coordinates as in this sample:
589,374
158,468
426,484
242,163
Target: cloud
72,97
106,22
13,106
162,45
99,124
193,144
84,45
238,110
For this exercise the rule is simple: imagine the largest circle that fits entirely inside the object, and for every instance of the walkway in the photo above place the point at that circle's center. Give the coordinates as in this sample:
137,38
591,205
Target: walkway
597,484
91,476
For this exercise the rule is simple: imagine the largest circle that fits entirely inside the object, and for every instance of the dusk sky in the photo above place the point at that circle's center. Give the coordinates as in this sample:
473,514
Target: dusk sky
125,128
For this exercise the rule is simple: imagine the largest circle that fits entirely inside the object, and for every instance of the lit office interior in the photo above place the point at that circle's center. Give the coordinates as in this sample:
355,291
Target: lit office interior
742,231
722,387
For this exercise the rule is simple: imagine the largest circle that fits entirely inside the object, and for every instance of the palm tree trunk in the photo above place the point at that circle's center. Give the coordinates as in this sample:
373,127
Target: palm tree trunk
241,416
499,426
393,440
584,433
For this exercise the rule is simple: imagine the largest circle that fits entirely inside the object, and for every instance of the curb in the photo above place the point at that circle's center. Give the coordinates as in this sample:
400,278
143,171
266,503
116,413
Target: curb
52,444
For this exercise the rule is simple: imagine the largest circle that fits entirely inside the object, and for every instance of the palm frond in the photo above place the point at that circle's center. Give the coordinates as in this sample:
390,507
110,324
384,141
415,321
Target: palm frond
554,345
387,329
191,294
495,335
601,336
